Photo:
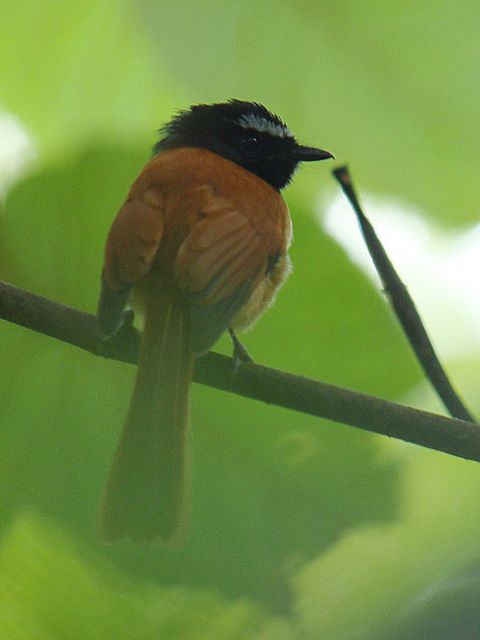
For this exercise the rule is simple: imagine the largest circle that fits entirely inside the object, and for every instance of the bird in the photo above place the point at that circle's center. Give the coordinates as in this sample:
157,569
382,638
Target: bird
199,247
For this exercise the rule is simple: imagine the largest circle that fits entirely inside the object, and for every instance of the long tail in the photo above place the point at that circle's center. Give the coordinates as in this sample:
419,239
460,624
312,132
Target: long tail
147,496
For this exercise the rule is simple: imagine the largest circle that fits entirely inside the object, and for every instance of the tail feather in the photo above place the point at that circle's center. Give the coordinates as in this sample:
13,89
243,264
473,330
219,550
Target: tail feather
147,496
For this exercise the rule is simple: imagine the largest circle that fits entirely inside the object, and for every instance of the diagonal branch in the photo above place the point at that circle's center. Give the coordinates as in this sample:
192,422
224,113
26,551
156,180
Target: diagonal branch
78,328
404,306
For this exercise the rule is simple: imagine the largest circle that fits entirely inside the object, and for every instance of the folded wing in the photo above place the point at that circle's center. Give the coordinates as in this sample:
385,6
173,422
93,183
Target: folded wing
218,266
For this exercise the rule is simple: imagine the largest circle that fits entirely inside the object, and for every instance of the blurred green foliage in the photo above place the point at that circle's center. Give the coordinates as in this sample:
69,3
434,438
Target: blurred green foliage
301,528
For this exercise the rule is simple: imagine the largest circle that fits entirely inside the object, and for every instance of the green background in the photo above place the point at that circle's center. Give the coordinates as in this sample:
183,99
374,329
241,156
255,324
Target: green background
301,528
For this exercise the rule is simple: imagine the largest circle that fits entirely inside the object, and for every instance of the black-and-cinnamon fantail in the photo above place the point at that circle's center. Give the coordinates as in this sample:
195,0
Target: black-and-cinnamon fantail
200,246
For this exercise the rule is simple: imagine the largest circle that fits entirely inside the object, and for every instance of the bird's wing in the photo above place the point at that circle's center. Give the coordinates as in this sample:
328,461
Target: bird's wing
132,245
218,266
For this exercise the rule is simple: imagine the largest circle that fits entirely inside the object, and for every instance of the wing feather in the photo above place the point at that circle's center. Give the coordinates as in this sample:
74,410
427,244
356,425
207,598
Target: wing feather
200,268
213,228
134,239
132,245
217,267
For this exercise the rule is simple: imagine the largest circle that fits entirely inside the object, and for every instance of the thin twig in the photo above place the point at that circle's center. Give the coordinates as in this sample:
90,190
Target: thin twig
456,437
404,307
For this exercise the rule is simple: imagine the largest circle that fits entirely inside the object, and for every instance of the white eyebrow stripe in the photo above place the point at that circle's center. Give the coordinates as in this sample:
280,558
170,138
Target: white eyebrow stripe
264,125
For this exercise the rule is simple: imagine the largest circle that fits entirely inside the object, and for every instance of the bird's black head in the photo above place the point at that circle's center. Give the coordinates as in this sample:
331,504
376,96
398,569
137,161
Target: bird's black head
245,133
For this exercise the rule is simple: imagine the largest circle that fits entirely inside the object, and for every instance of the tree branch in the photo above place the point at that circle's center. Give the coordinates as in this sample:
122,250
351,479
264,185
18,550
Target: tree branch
404,306
78,328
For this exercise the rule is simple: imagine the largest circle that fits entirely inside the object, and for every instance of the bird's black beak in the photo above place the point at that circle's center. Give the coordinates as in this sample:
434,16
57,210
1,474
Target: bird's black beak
309,154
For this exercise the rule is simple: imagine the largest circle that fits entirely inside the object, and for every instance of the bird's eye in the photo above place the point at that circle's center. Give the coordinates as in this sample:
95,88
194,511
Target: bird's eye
250,142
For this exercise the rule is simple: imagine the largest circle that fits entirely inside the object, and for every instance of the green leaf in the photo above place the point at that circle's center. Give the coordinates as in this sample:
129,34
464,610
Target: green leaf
375,574
49,591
